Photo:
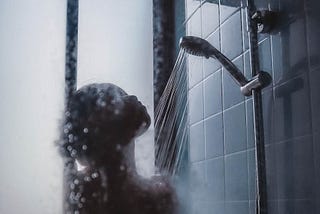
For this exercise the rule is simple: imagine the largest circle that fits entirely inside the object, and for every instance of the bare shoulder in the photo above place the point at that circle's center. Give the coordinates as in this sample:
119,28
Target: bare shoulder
156,195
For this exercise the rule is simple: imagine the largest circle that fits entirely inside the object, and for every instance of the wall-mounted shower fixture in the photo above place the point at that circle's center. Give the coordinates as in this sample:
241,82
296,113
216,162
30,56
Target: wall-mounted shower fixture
265,20
200,47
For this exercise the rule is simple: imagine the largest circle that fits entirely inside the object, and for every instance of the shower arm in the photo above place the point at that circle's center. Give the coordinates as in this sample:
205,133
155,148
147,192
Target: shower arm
200,47
261,80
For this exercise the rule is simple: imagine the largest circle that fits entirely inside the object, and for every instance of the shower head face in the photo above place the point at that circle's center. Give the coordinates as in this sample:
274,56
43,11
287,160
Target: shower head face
196,46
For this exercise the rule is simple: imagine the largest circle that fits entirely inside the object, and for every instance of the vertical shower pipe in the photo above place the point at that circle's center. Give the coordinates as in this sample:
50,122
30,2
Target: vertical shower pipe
71,48
70,77
261,197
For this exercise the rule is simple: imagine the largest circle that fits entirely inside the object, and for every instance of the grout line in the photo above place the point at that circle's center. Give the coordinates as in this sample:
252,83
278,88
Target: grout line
236,153
215,158
264,39
196,123
234,106
226,19
222,113
212,116
291,139
191,15
212,74
279,84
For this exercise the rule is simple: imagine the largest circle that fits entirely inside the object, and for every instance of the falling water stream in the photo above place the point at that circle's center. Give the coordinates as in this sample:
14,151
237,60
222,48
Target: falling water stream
171,119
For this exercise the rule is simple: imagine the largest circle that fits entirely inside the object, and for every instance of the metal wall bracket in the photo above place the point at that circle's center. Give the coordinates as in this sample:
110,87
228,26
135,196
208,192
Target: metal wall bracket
265,20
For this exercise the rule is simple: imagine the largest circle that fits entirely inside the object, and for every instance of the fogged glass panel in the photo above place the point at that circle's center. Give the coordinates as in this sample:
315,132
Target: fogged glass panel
115,46
32,41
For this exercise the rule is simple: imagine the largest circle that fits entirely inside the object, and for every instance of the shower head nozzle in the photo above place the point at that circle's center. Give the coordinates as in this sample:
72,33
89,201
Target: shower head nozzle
197,46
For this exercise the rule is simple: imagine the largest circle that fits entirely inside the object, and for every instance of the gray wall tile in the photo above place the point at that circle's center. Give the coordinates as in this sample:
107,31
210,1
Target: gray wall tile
235,129
214,136
296,207
227,8
237,207
196,104
194,24
197,143
236,177
211,65
271,169
198,181
191,6
293,49
249,124
252,174
212,94
268,116
231,36
195,70
231,91
315,99
215,180
292,109
210,18
295,169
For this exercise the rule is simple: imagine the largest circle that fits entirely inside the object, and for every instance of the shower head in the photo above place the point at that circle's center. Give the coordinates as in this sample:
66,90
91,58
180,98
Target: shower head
200,47
197,46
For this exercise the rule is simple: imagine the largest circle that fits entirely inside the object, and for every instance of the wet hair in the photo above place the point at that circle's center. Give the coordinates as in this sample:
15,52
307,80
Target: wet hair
99,119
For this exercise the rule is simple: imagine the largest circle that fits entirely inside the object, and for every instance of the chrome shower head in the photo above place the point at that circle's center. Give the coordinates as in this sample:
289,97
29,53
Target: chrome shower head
197,46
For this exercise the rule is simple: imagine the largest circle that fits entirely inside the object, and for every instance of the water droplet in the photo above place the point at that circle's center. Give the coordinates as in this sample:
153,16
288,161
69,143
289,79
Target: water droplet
73,153
103,103
84,147
122,168
66,131
94,175
70,137
78,196
83,199
116,111
69,125
101,94
85,130
72,195
118,147
76,181
87,179
69,148
80,205
68,114
72,186
76,212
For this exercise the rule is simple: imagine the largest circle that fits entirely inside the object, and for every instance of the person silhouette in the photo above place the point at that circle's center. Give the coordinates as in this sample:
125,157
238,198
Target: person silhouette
101,123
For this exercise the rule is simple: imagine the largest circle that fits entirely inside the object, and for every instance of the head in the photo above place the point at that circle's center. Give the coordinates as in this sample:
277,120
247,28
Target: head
100,120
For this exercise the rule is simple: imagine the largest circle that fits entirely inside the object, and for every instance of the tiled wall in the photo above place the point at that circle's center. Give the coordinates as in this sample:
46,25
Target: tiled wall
222,165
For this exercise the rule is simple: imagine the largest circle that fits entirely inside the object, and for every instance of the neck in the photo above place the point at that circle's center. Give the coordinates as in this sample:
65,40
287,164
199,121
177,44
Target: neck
122,163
